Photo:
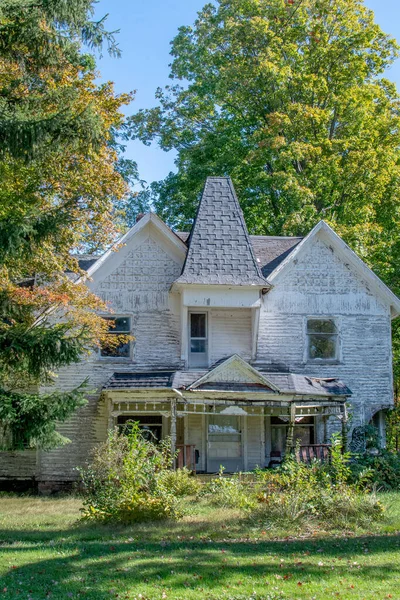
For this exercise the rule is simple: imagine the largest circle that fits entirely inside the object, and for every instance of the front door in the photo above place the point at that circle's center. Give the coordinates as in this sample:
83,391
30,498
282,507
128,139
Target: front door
224,443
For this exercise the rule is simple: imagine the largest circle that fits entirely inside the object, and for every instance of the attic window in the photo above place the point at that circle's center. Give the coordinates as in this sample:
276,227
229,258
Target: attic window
322,339
113,348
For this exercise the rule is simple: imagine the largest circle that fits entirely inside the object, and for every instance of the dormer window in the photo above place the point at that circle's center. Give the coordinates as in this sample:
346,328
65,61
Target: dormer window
198,340
322,339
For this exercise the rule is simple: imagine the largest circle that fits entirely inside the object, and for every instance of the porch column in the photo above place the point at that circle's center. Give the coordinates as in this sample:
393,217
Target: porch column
173,431
290,434
345,440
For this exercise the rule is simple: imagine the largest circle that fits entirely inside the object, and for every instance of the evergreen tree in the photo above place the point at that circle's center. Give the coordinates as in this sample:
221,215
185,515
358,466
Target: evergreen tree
61,181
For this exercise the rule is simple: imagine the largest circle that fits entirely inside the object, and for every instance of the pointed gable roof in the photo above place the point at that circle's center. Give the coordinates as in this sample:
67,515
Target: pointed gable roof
220,251
232,370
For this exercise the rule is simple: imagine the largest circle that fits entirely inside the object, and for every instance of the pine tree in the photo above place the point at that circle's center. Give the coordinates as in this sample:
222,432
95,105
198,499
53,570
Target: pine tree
61,180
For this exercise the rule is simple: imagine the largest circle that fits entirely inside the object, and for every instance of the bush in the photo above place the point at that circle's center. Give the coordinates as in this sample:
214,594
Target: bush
381,471
180,482
230,492
125,480
318,494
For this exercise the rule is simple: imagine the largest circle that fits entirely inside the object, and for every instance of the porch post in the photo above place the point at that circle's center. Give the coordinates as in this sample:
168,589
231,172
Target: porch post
290,434
173,431
345,440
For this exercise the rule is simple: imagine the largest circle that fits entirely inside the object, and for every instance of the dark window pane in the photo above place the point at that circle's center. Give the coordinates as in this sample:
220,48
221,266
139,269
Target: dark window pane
119,324
197,346
198,325
321,326
322,346
121,350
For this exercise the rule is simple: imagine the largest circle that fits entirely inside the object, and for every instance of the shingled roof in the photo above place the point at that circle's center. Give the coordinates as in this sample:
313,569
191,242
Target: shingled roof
286,383
269,250
220,251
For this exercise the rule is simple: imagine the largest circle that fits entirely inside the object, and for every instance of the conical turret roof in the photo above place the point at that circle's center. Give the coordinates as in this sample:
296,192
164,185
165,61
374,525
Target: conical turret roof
220,251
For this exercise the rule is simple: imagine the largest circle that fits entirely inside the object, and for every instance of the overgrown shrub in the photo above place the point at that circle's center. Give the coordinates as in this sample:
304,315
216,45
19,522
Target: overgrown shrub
230,492
180,482
381,471
315,494
126,480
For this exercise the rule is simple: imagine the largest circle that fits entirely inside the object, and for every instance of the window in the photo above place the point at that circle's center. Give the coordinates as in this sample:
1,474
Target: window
198,339
150,425
322,339
303,433
114,348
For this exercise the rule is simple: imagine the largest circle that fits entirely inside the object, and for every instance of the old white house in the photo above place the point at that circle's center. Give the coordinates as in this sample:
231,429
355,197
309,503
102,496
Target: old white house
243,344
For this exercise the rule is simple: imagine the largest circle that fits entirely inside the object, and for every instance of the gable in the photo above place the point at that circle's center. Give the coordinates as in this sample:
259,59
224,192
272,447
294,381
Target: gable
233,370
319,270
323,264
150,249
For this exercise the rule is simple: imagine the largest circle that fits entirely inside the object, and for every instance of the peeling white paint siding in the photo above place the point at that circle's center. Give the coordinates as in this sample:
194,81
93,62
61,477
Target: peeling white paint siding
138,288
319,283
230,334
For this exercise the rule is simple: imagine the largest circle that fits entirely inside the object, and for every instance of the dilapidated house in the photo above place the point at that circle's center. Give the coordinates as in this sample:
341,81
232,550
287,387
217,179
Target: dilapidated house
242,344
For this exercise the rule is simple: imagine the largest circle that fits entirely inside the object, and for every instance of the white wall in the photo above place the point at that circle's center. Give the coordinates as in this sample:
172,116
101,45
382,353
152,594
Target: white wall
230,333
319,283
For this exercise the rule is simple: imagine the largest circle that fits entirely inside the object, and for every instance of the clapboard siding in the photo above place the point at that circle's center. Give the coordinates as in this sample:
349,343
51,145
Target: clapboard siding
138,288
18,465
319,283
230,334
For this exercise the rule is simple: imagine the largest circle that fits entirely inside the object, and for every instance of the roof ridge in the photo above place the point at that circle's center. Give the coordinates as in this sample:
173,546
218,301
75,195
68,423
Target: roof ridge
246,233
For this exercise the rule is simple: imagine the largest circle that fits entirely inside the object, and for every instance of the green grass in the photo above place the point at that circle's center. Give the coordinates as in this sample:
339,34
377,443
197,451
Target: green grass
45,552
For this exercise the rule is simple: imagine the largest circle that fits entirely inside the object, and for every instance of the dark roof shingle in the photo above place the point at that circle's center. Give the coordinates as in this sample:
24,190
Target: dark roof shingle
220,251
151,379
269,251
287,383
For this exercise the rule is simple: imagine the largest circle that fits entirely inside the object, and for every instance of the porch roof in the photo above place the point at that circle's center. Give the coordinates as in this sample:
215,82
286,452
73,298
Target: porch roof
285,383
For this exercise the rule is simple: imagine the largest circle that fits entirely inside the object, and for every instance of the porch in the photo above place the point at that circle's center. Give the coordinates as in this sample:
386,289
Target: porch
238,435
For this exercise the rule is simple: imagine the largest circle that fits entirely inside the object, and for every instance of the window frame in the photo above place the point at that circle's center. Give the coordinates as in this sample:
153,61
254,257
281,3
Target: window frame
206,338
118,358
338,353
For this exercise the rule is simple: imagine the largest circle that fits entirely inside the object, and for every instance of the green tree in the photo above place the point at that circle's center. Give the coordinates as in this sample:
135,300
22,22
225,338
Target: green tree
289,98
62,180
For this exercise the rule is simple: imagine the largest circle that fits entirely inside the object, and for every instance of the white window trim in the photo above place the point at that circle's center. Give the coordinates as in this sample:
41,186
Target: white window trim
206,312
117,359
323,361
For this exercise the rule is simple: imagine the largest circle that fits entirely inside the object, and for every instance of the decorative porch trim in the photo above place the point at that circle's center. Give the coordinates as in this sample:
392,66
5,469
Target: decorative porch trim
242,364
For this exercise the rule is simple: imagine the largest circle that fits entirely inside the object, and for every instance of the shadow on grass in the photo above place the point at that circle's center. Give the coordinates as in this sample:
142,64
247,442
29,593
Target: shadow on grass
85,564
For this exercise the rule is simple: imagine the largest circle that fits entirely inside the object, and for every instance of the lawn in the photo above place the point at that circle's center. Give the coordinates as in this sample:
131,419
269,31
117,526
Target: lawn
45,552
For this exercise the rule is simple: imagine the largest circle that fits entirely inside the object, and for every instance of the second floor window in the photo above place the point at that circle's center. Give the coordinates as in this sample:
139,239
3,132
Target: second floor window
322,339
198,350
116,344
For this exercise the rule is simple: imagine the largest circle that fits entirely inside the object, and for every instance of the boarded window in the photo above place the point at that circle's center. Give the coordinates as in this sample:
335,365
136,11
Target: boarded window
322,339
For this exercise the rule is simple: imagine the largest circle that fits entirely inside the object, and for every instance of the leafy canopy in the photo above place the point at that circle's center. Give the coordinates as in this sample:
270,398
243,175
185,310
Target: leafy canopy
289,98
62,180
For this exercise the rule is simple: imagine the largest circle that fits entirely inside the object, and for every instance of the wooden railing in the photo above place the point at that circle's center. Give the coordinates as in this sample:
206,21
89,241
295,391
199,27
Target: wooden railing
308,452
186,457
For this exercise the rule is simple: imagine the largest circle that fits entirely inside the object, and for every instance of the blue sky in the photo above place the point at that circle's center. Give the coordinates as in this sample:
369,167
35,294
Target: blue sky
146,29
